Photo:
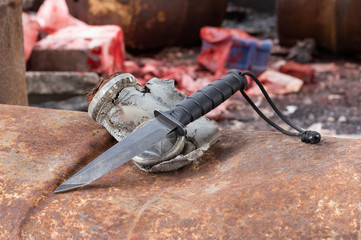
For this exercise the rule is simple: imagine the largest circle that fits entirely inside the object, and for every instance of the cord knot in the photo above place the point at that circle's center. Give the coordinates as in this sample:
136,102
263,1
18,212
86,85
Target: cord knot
311,137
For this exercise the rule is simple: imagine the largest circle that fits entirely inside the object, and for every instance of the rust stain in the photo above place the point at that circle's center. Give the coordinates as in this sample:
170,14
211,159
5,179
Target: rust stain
150,23
246,186
38,149
138,7
145,5
161,16
109,7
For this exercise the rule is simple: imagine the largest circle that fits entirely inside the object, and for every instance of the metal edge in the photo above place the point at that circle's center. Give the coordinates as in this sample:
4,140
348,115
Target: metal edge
114,86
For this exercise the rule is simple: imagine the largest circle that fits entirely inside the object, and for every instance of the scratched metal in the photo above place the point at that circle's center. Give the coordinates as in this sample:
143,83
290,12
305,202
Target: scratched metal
12,58
250,185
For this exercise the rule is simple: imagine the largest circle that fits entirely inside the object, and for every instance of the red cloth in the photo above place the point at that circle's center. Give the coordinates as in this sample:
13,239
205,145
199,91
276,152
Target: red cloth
104,45
301,71
31,30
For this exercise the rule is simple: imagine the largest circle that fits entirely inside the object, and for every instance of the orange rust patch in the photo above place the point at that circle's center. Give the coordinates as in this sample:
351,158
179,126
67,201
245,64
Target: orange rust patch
161,16
246,186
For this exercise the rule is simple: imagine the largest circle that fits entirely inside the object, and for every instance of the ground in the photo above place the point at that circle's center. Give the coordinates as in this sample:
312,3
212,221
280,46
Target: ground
332,103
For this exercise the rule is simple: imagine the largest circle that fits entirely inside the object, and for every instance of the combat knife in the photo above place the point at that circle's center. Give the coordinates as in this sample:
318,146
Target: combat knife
175,119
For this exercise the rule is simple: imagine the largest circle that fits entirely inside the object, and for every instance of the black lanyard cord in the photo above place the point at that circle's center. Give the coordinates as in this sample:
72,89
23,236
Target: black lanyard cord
307,136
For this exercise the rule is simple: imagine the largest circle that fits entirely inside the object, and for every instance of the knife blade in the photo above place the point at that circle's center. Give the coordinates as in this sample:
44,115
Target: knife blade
175,119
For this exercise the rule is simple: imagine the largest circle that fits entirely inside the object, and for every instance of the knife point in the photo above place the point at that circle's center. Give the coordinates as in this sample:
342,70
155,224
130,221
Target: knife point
144,138
67,187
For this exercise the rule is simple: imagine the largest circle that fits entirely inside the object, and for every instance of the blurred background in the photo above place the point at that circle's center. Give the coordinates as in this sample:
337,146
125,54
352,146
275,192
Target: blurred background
306,53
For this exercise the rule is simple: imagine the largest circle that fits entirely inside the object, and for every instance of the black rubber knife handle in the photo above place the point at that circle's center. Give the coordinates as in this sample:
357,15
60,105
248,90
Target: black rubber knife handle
206,99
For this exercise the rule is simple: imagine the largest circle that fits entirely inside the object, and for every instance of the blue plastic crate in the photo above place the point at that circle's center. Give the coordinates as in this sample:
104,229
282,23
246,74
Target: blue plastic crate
249,54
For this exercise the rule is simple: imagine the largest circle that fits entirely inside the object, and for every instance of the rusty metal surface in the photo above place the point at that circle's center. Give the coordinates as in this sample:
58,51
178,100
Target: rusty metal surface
38,148
152,24
335,25
12,58
250,185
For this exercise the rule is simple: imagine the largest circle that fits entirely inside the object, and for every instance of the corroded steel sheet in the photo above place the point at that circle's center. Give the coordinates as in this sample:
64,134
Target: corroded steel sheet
12,58
252,185
38,149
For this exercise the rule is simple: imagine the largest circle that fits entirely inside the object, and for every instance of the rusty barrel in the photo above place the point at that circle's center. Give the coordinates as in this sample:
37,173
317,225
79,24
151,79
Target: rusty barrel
12,58
335,25
149,24
249,185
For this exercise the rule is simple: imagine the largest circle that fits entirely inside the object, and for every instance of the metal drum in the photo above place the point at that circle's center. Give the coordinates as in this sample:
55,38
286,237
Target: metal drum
335,25
150,24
